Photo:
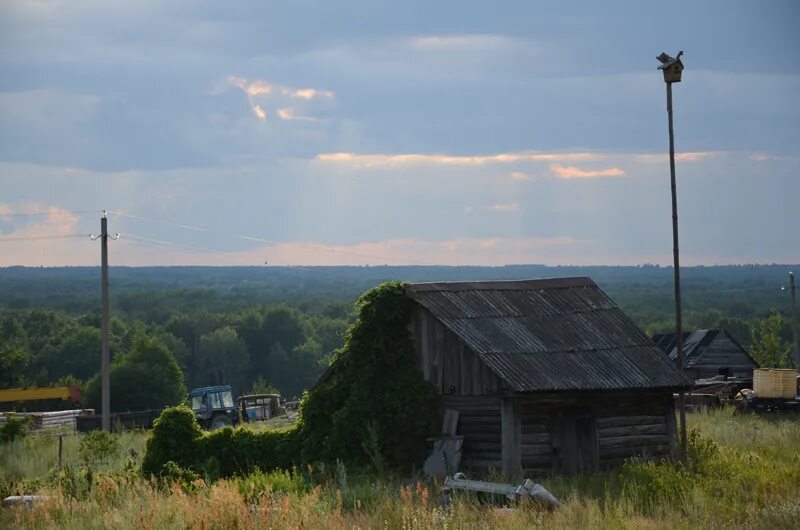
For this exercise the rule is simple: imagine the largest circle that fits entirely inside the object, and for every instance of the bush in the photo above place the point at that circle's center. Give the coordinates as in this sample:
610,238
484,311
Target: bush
98,447
173,438
373,407
239,451
188,480
14,429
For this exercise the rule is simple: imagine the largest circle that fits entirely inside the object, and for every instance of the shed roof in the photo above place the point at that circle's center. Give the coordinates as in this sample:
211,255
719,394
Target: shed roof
694,344
551,334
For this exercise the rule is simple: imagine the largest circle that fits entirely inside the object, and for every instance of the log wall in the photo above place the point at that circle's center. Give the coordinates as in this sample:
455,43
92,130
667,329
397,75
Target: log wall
480,424
581,433
567,433
722,354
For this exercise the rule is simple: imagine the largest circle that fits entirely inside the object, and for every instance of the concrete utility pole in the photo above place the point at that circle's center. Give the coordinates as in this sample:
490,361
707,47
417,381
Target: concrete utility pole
672,69
795,332
105,376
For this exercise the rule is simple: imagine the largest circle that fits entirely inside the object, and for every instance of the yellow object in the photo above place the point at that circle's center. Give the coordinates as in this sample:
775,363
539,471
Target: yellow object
775,382
31,394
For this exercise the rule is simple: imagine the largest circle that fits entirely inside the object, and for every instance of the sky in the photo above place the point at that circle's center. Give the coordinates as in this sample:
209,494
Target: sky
362,132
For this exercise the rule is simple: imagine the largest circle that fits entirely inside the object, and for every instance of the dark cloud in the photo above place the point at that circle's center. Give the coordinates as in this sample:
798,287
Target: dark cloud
138,97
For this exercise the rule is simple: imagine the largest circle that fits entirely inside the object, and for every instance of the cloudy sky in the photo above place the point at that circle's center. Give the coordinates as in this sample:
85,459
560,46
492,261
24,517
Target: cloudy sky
353,132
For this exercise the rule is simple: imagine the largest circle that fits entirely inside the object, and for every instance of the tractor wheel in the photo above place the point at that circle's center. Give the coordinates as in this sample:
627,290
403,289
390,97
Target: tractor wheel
219,421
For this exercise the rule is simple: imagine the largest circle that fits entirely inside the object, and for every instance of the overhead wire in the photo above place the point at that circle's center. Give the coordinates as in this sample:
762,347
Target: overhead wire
29,238
40,214
163,244
321,248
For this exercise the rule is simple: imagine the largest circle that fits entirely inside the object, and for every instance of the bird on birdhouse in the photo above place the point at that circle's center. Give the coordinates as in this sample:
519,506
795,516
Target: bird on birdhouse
671,66
666,59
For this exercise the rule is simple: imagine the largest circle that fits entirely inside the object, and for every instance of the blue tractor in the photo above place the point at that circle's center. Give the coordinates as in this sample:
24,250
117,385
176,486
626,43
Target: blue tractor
213,406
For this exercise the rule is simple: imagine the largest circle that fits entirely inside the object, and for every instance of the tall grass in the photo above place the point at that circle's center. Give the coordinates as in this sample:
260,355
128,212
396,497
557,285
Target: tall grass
34,459
744,473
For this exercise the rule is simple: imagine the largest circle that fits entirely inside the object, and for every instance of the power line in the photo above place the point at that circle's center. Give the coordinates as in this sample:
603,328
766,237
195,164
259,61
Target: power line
140,218
40,214
160,243
30,238
321,248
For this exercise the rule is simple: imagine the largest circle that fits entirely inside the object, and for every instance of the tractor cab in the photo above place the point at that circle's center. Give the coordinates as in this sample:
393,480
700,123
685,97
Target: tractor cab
213,406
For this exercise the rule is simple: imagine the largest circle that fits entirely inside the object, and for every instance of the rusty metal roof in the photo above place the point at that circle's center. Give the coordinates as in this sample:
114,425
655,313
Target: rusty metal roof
552,334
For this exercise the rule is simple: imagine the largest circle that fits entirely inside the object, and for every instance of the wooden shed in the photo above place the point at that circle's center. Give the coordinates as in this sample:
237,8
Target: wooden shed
549,376
707,353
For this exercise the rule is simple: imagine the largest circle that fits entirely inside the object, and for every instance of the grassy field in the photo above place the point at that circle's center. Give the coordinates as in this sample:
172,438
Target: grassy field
744,472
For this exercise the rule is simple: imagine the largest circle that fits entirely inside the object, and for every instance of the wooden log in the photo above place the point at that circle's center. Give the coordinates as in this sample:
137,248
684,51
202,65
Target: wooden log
473,420
537,452
482,447
622,421
540,463
533,439
467,430
632,430
643,440
534,428
483,437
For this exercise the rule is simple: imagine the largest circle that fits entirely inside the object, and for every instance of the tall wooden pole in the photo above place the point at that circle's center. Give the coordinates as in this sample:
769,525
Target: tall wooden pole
104,360
795,332
677,271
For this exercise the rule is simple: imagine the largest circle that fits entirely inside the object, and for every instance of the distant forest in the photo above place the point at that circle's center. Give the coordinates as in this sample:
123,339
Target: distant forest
275,328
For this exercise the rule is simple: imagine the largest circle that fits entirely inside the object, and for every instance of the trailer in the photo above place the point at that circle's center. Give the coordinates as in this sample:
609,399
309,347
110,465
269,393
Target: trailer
774,389
257,407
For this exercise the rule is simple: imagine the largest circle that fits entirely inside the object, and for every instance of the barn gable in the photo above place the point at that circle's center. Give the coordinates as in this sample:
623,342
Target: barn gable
708,352
534,335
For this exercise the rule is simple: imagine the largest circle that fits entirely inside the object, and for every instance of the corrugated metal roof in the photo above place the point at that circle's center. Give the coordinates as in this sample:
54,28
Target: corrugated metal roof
553,334
694,344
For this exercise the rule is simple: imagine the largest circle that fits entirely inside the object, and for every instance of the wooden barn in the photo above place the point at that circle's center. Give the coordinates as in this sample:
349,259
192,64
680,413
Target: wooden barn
707,353
548,376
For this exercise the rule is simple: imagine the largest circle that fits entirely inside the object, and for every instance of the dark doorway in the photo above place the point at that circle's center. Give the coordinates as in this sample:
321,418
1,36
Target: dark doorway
575,441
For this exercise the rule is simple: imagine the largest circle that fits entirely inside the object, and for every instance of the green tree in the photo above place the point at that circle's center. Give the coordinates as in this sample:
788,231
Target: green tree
148,377
769,349
280,325
13,362
14,355
223,358
261,386
75,351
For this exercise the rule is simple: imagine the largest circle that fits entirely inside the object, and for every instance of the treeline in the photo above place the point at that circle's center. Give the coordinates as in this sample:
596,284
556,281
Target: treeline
223,333
757,287
264,348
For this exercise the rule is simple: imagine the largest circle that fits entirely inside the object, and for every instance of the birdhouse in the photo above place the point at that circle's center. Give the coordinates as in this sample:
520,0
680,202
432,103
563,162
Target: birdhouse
672,68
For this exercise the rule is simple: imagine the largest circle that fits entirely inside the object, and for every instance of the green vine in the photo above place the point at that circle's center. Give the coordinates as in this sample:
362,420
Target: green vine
373,391
372,407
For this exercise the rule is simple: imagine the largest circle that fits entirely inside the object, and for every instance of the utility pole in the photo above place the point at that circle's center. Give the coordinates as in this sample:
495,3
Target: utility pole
672,69
105,376
795,332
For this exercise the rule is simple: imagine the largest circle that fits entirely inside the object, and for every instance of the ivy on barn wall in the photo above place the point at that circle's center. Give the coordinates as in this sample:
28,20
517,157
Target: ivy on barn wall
372,404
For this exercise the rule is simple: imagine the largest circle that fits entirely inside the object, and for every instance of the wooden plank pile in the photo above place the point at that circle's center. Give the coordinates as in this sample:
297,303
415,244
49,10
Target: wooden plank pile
66,419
